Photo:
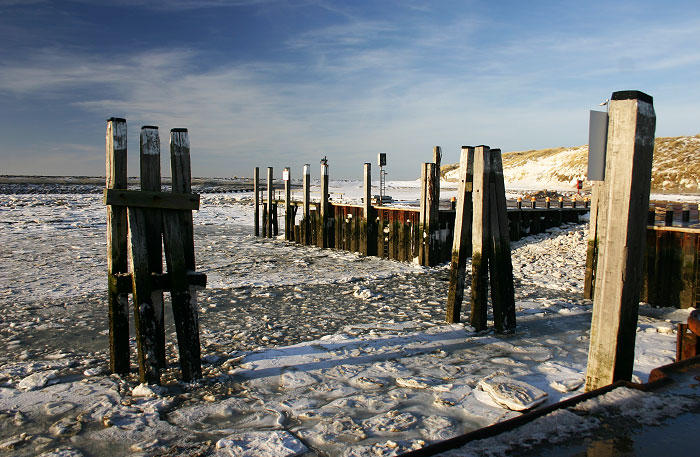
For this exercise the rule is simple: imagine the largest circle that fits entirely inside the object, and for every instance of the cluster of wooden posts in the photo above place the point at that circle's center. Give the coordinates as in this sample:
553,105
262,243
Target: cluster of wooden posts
139,224
424,235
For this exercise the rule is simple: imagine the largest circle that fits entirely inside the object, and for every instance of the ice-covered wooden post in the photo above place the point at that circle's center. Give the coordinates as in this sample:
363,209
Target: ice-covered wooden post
480,238
462,236
621,222
117,248
368,222
305,221
256,199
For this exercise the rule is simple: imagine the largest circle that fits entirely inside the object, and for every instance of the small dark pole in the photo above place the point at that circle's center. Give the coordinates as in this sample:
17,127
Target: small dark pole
306,222
685,216
323,238
367,223
668,219
288,216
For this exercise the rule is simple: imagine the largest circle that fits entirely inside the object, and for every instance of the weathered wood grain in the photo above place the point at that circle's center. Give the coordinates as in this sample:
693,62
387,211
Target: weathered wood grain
480,238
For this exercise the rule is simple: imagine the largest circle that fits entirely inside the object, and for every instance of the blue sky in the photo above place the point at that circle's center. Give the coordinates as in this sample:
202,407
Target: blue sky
272,83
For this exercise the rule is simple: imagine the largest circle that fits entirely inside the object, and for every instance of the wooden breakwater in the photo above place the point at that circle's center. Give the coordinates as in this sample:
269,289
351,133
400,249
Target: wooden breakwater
423,234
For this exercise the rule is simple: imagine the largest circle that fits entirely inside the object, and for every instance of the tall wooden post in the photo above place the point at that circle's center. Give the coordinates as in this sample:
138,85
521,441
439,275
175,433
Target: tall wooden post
150,181
288,216
256,199
500,261
116,178
462,235
323,223
621,225
270,196
306,219
437,160
592,248
428,215
366,226
178,238
480,238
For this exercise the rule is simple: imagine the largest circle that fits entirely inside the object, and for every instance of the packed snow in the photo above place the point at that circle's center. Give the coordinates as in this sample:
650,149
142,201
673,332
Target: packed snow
305,351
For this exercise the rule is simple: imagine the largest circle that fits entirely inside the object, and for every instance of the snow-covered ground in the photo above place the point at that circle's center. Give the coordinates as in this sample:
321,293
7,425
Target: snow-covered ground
305,351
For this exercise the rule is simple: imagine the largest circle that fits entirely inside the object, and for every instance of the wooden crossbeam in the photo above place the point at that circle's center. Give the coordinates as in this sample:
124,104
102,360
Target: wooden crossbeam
121,282
151,199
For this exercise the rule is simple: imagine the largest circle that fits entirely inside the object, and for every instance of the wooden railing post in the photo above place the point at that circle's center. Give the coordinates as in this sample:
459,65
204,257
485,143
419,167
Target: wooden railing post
116,178
270,196
621,225
480,238
462,236
150,181
256,199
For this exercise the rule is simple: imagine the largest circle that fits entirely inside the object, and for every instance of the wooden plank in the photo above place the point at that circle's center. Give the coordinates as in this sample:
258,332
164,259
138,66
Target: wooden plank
256,200
183,297
147,199
462,233
150,181
144,309
181,172
622,223
116,178
500,261
687,257
480,238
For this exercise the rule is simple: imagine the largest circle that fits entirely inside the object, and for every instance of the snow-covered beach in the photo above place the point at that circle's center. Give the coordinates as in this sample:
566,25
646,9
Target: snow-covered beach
305,351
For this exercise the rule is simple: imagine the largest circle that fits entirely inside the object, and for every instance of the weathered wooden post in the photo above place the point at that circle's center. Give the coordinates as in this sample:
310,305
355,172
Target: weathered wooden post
437,160
325,207
270,196
178,238
256,199
500,262
621,224
462,236
428,214
306,221
480,238
368,222
592,249
288,215
117,248
150,181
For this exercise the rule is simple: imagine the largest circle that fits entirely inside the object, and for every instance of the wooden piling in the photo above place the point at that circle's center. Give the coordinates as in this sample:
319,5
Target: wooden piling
306,216
428,247
480,238
178,238
592,247
256,199
500,263
622,223
116,178
462,235
368,222
270,197
150,181
288,216
324,236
